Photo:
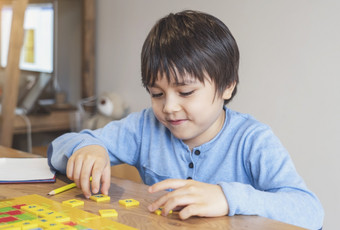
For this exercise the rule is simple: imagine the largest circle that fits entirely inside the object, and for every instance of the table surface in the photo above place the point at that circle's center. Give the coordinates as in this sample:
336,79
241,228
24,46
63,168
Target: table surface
137,217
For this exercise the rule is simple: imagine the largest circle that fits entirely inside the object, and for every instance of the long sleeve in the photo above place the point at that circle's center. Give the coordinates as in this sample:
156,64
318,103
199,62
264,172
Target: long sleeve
276,190
121,139
287,204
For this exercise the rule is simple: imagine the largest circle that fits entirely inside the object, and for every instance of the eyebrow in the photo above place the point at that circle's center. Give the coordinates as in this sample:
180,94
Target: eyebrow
182,83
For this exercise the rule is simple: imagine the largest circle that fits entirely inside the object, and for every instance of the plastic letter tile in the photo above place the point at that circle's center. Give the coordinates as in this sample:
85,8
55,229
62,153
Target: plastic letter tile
18,206
70,223
28,225
6,209
7,219
47,213
47,223
108,213
73,203
30,208
61,218
159,211
39,211
62,227
100,197
129,202
15,212
26,216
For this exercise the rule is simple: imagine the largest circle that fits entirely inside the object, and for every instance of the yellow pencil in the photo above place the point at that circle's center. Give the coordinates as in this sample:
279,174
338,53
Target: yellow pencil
64,188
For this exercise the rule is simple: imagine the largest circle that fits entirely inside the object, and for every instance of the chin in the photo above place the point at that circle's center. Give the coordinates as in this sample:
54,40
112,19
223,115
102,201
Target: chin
182,136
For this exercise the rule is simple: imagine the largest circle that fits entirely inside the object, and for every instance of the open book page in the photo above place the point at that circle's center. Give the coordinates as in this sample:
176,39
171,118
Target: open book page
25,170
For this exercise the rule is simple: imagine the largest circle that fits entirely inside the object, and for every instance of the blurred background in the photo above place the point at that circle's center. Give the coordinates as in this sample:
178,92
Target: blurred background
289,72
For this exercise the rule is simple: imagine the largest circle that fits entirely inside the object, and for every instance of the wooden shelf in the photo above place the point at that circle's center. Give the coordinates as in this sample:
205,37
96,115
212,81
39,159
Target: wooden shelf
55,121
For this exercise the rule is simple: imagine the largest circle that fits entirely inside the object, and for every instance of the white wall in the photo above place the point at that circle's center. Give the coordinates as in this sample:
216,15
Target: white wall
68,48
289,72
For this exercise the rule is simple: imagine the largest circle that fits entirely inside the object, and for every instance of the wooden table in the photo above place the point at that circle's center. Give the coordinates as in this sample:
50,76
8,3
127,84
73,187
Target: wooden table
138,217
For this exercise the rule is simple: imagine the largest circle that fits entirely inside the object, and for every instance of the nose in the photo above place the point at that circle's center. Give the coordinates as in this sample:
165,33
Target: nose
171,104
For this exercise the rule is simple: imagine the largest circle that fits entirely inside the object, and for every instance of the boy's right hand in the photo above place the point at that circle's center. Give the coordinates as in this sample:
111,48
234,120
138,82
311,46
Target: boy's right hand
92,160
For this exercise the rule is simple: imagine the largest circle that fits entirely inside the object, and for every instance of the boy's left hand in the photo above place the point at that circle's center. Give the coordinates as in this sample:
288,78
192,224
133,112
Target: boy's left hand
196,198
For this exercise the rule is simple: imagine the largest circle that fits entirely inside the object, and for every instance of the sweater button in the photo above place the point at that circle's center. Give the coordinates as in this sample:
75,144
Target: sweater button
197,152
191,165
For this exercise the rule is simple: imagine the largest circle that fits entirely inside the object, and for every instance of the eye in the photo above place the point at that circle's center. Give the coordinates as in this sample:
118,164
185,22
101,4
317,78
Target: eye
156,94
187,93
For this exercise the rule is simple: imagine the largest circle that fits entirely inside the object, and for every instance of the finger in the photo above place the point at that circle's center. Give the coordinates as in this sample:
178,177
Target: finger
99,168
85,185
191,210
69,168
85,178
177,202
85,173
167,184
106,180
172,200
77,167
157,204
96,178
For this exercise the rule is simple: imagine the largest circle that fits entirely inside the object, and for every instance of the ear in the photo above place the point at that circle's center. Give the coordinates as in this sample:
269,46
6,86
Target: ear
228,91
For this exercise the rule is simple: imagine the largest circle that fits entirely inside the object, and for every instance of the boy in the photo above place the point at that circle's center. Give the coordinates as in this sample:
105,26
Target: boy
213,161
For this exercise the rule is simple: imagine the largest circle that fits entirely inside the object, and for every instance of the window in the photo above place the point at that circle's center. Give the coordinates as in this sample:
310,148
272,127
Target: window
37,50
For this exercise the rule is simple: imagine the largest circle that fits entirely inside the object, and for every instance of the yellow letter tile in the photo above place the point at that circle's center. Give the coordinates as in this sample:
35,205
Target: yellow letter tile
129,202
100,197
108,213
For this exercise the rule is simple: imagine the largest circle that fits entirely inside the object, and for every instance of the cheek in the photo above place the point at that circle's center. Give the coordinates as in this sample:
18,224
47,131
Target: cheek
205,109
196,106
156,107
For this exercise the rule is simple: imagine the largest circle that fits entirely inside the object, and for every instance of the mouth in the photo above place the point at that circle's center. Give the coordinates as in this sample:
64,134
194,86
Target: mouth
177,122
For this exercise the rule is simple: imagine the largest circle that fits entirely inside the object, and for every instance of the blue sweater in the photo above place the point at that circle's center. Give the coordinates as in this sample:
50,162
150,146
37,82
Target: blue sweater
245,158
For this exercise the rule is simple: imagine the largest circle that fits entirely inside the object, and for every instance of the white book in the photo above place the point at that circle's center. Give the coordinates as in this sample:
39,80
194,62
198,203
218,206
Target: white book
25,170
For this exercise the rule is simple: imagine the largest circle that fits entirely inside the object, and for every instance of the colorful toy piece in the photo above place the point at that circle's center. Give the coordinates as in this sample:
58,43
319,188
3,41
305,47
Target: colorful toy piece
100,197
108,213
129,202
159,211
34,212
29,224
73,203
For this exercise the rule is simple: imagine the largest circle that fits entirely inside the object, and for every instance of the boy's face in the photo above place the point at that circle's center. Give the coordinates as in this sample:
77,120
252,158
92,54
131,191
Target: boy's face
190,109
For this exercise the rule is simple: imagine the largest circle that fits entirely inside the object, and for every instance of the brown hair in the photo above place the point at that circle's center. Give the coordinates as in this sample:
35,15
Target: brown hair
191,42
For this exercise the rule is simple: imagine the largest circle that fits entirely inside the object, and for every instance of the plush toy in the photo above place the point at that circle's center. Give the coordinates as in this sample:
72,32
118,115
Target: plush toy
110,106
